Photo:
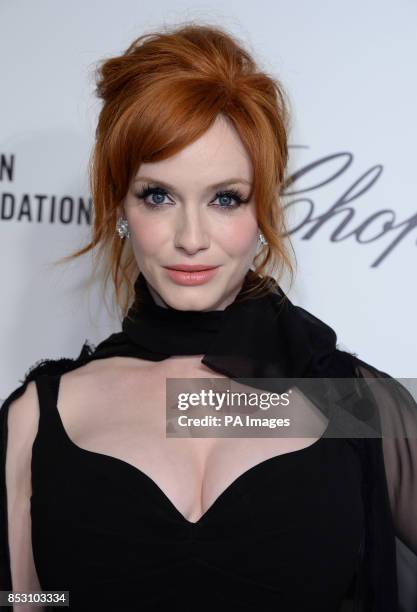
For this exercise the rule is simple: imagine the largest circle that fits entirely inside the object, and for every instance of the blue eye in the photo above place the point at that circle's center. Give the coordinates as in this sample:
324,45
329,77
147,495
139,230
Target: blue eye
152,191
231,194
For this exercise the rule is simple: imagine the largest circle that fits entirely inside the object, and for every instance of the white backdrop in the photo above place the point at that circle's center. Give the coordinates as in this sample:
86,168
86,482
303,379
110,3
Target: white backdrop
349,69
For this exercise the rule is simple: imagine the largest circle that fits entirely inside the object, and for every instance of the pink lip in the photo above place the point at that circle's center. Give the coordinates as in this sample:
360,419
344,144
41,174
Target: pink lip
190,267
198,277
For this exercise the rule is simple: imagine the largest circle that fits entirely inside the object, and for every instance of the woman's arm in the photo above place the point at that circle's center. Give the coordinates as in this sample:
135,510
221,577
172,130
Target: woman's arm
22,426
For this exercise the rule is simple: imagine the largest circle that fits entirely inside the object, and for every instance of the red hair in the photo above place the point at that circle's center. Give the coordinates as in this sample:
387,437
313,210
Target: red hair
159,96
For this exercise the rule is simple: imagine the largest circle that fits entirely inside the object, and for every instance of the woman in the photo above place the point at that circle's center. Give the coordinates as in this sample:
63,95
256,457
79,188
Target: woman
190,155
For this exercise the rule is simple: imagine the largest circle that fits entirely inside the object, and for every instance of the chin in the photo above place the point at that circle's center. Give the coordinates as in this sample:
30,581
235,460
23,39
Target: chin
182,303
191,298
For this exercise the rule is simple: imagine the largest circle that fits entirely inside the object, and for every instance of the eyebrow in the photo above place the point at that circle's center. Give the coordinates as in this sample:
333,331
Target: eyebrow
224,183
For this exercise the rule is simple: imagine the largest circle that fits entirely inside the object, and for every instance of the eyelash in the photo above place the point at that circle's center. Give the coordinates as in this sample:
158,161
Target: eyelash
233,193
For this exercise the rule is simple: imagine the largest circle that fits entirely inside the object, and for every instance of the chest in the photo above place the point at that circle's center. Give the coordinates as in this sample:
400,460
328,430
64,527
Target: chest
122,413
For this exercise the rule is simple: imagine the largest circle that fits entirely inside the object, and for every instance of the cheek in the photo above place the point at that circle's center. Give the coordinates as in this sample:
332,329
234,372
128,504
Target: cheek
237,238
147,236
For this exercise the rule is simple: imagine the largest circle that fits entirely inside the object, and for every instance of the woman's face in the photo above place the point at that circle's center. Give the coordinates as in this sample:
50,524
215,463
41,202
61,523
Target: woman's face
180,212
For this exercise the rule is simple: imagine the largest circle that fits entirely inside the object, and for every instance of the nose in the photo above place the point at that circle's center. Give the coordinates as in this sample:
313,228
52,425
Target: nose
191,232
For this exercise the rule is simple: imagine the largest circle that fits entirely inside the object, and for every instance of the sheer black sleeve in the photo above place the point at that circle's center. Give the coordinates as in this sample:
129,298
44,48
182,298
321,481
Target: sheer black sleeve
397,411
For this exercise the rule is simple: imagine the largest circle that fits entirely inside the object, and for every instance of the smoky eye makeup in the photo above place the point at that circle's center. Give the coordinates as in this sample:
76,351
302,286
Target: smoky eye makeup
148,191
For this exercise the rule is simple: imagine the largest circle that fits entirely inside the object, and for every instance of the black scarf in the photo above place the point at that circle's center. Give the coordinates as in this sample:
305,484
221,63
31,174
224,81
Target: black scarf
261,336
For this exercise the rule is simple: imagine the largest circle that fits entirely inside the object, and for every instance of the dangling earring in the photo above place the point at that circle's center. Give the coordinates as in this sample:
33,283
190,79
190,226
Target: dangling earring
122,227
261,239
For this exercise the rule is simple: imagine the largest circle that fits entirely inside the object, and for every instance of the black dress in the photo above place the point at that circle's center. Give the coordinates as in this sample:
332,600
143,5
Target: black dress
307,530
105,531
